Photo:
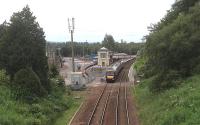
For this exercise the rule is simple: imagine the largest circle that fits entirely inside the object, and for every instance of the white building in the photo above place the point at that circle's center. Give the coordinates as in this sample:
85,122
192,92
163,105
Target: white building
104,57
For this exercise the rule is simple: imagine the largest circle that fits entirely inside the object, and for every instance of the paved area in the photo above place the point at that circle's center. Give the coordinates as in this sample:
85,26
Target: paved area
67,67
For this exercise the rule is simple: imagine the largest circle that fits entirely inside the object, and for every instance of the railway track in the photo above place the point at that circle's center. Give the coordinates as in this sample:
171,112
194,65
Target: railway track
111,106
96,105
121,107
122,113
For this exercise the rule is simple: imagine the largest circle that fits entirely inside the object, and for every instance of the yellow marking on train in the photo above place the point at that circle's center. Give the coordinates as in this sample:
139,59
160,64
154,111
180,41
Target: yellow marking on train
110,77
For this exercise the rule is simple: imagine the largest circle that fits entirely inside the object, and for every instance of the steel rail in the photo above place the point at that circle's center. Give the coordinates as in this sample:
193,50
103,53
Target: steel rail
126,102
104,109
117,106
95,107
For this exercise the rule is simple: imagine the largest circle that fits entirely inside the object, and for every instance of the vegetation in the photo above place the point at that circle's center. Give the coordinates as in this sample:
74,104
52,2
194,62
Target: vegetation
53,71
176,106
38,111
73,105
172,47
86,48
23,45
26,84
168,93
109,42
28,96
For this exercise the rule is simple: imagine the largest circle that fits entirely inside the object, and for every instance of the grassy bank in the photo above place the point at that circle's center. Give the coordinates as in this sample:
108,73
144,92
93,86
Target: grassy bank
74,104
39,111
177,106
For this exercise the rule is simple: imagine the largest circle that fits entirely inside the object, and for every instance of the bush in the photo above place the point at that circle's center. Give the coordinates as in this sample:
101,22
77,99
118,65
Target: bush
58,85
27,84
4,79
165,80
53,71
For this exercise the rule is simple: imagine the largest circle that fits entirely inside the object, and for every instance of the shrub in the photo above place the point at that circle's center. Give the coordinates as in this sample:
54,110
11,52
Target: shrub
27,84
165,80
53,71
4,79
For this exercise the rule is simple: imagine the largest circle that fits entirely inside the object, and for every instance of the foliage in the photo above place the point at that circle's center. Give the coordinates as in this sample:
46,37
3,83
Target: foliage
109,42
128,48
173,45
43,111
73,104
4,79
59,84
53,71
80,48
179,106
23,45
139,65
86,48
26,84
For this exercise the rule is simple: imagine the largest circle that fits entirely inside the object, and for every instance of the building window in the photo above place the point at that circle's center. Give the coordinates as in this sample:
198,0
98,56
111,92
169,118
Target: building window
103,55
103,63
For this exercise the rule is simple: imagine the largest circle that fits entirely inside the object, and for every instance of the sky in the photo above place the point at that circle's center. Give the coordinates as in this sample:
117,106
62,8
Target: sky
123,19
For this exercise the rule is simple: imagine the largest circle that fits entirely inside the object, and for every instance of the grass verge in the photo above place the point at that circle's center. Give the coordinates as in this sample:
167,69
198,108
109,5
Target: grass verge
74,104
177,106
46,110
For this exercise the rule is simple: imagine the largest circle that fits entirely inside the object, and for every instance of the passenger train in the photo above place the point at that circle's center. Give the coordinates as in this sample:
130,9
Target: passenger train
113,71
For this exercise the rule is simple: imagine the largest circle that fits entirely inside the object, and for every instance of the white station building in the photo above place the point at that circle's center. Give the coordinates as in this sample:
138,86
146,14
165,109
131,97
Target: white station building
104,57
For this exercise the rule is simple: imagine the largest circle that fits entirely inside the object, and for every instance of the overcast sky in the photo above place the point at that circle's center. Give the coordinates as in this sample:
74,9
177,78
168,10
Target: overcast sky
124,19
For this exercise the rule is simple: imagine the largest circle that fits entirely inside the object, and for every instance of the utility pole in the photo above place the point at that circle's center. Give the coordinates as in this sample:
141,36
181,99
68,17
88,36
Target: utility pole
84,54
71,31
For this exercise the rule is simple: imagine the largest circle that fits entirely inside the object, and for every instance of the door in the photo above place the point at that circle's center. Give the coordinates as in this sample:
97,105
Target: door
103,63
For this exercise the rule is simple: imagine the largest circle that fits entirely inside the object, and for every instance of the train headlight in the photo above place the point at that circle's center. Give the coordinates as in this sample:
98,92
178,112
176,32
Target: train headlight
110,77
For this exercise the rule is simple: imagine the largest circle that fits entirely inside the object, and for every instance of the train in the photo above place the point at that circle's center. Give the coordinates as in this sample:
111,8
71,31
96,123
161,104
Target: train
113,71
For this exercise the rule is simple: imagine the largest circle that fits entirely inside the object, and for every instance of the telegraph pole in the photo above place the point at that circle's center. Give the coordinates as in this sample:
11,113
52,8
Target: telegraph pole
84,54
71,31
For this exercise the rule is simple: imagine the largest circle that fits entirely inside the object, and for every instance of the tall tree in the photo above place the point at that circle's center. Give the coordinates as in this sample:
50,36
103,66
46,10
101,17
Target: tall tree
109,42
172,48
24,46
3,28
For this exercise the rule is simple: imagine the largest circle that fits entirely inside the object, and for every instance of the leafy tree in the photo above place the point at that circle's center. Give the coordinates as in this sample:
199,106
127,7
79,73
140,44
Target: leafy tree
23,45
27,85
172,48
53,71
109,42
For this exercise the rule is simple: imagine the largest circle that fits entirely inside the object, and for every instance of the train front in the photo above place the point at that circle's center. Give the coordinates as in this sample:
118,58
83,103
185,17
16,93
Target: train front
110,76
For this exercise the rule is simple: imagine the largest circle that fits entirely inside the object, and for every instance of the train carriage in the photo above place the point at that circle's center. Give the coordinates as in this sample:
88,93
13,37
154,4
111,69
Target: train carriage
113,71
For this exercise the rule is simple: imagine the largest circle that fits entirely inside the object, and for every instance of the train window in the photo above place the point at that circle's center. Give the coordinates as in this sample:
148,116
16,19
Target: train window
111,73
103,55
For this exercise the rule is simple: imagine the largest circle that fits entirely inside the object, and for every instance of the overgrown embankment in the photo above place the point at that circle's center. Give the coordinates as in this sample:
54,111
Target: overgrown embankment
34,111
169,67
177,106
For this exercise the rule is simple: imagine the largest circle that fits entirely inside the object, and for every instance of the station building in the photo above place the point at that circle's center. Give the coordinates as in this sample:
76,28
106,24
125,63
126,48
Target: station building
104,57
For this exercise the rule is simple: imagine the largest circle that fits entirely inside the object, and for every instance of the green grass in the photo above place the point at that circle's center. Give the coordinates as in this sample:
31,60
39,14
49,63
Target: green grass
177,106
42,111
139,64
73,107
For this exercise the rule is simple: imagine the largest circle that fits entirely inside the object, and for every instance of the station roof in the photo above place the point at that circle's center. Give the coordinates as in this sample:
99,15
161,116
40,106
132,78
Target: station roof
119,54
103,49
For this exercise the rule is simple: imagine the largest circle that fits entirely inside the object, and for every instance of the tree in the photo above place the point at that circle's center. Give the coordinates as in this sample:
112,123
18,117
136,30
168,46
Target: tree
26,84
23,45
109,42
172,48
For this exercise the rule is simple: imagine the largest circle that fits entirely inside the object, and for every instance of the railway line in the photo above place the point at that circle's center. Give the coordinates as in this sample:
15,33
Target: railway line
112,104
